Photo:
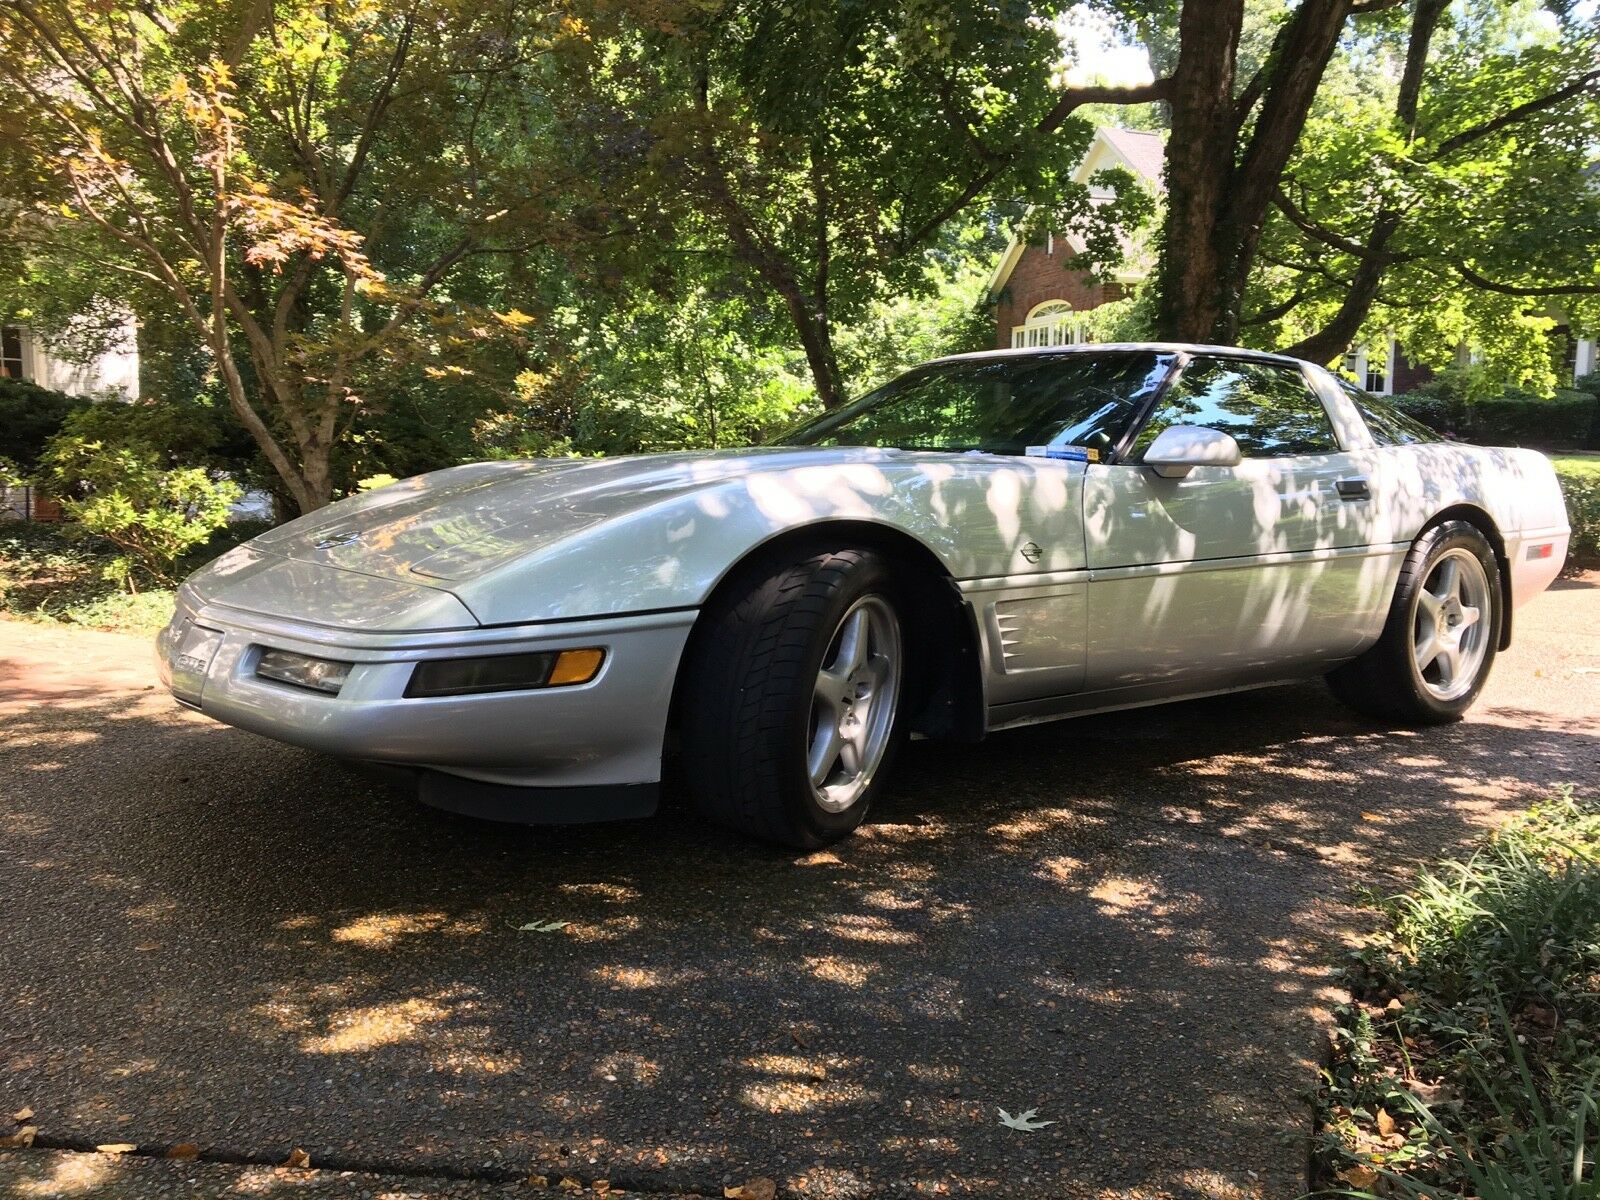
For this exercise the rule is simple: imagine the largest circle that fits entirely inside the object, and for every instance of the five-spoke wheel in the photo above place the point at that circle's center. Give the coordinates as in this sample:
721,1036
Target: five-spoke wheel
1440,640
853,706
1449,639
791,693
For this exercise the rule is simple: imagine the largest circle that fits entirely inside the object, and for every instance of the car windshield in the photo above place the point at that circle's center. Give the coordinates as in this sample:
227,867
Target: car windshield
999,405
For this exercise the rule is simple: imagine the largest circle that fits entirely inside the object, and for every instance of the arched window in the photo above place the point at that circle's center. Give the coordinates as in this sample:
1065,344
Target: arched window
1053,323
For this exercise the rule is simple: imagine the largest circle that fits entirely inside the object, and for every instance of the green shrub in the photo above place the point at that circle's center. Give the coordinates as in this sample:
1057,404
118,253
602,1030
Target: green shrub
1439,413
1581,488
1518,419
154,513
29,417
122,612
177,433
1568,419
46,569
52,572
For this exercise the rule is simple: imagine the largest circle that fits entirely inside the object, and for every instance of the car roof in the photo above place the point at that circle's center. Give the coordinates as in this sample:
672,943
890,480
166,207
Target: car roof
1112,347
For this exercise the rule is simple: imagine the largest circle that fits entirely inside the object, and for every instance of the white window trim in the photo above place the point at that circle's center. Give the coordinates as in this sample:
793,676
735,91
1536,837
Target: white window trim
1050,323
1357,364
1586,357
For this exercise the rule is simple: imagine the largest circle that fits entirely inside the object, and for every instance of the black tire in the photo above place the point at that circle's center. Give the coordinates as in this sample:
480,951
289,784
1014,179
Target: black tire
1386,682
745,699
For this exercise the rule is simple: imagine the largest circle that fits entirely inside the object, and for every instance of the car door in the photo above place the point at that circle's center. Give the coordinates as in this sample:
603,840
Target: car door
1231,574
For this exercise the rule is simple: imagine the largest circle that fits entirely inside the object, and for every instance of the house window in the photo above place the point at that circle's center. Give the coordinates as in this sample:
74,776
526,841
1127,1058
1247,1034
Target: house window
1053,323
1565,356
1375,375
11,352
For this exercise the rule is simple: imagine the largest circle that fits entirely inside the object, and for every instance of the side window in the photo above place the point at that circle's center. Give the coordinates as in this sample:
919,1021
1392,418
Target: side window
1387,424
1268,409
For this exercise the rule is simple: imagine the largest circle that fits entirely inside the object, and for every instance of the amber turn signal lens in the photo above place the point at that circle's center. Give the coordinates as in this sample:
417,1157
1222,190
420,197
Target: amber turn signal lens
576,666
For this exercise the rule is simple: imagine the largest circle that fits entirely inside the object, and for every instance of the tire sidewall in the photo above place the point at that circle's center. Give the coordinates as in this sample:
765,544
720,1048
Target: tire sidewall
1429,550
869,577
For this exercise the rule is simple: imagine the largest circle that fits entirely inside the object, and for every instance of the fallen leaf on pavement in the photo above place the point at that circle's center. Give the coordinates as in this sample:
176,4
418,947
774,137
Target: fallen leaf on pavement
21,1115
1024,1121
760,1188
542,927
1385,1123
569,1184
20,1139
184,1152
116,1148
298,1158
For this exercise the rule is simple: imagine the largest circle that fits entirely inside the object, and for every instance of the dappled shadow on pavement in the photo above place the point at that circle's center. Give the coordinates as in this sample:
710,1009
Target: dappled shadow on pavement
1122,921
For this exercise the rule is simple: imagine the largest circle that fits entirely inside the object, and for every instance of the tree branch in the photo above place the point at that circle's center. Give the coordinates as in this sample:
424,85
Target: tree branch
1586,82
1276,311
1327,237
1512,289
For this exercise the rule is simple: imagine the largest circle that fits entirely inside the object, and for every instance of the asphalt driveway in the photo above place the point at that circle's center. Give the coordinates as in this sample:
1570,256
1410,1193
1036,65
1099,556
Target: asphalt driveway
1123,922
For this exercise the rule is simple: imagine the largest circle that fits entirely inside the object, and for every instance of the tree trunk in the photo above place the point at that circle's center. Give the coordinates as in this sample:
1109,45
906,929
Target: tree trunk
1299,60
306,497
1218,196
816,336
1334,338
1199,171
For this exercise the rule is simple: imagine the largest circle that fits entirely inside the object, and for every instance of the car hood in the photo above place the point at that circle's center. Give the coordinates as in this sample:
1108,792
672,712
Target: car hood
455,525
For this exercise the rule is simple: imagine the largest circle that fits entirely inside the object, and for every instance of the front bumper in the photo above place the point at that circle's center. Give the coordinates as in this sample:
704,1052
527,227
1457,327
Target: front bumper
604,733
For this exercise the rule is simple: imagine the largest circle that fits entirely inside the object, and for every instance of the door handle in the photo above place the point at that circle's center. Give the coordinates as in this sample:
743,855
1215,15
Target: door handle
1355,488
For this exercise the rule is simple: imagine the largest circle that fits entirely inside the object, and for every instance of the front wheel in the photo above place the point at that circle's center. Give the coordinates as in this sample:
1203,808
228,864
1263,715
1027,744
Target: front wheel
1443,629
790,703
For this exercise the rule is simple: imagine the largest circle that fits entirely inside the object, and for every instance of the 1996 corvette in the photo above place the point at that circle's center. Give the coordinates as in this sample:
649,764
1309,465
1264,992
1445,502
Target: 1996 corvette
987,541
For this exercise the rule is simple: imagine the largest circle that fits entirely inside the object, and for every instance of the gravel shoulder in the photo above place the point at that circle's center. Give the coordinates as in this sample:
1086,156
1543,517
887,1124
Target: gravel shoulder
1124,922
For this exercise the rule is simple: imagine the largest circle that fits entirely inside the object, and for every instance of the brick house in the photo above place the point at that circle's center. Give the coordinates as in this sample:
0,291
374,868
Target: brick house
1039,300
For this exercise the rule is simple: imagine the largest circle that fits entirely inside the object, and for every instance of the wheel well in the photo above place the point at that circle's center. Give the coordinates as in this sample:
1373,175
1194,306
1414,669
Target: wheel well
1484,523
946,681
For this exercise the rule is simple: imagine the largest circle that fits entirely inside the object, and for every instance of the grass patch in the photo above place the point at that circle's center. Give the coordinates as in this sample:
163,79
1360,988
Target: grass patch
56,573
1577,464
1468,1062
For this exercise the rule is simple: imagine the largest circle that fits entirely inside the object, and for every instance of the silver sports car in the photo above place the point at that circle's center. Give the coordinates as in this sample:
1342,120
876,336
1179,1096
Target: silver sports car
987,541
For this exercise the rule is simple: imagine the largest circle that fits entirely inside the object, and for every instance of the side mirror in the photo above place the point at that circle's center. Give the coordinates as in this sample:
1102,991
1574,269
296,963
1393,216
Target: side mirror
1179,449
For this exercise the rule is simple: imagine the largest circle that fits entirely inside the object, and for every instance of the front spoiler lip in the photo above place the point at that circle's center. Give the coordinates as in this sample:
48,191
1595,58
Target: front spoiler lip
513,805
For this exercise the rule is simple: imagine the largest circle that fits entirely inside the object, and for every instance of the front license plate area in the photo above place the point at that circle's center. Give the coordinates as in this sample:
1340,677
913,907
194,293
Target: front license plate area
192,660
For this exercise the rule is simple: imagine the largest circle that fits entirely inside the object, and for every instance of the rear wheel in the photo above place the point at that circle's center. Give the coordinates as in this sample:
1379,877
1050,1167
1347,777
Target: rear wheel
1443,629
791,698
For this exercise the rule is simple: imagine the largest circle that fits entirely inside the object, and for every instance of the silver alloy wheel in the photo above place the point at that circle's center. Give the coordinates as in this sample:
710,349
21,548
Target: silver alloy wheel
853,705
1449,629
